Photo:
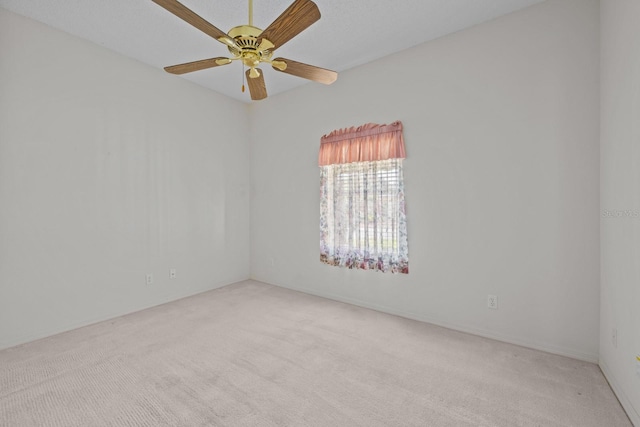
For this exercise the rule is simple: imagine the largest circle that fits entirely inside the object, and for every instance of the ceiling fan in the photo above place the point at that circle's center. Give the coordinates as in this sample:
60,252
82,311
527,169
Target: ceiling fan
251,45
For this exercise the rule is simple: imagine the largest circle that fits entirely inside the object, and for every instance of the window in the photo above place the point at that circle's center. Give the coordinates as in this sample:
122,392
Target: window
362,209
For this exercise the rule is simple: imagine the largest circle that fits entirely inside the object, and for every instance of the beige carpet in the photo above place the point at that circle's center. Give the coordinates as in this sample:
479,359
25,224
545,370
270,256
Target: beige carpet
252,354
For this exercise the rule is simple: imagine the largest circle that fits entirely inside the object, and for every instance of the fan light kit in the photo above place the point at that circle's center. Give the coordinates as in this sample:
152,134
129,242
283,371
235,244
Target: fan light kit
251,45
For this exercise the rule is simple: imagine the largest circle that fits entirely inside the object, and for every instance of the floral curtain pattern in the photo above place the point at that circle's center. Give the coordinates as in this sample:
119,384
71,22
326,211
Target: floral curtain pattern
362,208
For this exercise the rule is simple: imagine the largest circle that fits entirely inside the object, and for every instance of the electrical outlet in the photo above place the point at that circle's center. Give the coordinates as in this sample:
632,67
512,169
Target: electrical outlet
492,302
614,337
172,273
149,279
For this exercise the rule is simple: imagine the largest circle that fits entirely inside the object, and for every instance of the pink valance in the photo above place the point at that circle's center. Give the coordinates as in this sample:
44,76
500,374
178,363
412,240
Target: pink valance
365,143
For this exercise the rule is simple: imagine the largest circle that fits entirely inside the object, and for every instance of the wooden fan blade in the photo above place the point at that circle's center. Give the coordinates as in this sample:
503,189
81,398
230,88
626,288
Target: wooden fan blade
197,65
189,16
307,71
299,16
257,87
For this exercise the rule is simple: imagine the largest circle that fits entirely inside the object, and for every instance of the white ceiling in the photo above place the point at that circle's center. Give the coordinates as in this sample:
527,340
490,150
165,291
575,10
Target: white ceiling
350,33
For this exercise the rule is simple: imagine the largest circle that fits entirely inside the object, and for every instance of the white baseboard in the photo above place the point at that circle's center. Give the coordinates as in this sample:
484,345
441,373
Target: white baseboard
548,348
632,412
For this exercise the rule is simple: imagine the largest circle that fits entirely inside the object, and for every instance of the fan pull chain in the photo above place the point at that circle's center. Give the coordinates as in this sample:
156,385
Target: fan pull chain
242,78
251,24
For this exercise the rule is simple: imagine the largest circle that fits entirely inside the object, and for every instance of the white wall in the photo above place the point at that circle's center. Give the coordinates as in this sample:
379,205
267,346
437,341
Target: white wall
110,169
620,196
502,134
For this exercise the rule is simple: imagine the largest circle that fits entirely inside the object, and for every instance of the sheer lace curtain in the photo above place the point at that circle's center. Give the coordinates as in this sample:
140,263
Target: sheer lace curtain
363,221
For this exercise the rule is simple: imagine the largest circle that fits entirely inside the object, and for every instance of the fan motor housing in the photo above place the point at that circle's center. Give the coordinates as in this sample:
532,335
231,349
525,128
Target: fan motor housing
246,37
